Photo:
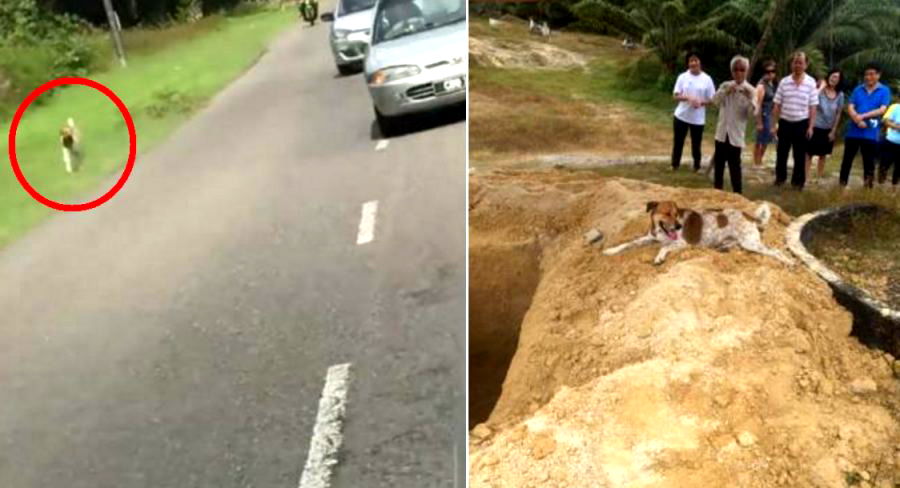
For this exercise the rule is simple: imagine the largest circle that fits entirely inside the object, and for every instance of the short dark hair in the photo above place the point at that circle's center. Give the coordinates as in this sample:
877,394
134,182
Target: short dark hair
873,66
797,54
833,71
691,54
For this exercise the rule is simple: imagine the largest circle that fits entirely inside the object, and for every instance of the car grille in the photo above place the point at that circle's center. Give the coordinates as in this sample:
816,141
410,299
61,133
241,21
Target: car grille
421,92
352,50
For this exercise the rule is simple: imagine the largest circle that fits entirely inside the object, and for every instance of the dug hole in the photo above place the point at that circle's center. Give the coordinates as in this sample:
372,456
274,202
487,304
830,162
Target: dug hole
715,369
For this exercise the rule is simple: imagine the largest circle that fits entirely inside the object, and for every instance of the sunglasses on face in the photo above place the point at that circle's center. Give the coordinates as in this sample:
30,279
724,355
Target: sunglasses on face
770,71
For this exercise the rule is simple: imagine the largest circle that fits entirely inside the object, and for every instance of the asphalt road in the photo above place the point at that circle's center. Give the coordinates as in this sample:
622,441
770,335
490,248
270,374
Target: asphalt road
179,335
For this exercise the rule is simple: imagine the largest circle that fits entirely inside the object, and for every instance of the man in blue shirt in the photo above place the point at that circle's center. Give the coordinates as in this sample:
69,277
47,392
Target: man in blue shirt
868,103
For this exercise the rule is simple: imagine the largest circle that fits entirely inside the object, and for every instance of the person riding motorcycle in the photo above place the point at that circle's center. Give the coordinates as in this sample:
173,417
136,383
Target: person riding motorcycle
309,10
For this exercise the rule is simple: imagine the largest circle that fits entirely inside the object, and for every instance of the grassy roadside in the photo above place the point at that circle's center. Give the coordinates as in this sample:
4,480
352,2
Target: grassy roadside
161,89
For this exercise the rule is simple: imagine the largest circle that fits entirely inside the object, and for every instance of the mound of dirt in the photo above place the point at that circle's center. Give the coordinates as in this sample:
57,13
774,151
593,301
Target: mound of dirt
714,369
503,53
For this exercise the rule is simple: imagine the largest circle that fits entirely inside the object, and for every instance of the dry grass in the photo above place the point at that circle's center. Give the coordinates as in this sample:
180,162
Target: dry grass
867,252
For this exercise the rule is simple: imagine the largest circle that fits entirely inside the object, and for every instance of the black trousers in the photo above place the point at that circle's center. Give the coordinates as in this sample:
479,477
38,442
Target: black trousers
681,129
868,148
726,153
791,137
890,156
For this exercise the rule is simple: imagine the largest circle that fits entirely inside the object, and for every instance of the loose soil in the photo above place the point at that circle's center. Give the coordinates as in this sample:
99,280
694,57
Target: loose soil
865,252
714,369
503,53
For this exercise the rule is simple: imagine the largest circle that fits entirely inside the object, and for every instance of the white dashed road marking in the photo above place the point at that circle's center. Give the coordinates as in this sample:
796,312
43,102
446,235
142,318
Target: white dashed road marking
327,436
382,145
367,223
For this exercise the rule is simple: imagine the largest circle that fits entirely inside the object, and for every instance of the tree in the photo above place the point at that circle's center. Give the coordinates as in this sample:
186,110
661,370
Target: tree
669,28
841,33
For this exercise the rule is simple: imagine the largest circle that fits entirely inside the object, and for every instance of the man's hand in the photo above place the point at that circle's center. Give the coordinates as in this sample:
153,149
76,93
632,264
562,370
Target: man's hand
759,127
809,132
831,135
862,124
774,130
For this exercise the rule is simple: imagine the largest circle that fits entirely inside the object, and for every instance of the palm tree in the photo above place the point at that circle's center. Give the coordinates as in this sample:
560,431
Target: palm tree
667,28
842,33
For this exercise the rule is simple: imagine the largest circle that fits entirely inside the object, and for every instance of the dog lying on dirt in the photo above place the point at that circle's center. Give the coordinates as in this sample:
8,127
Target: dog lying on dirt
676,228
69,139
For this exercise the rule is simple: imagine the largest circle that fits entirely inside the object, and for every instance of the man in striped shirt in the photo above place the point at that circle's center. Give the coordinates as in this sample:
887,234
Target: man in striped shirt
795,112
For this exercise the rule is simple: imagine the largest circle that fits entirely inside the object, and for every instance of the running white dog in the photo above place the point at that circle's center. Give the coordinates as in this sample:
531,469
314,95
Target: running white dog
69,138
676,228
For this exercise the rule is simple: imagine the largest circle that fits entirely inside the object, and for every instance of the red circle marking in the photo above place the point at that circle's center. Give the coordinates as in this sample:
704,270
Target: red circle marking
132,144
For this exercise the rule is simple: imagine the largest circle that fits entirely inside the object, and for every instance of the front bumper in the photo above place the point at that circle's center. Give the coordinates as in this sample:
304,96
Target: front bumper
351,49
419,93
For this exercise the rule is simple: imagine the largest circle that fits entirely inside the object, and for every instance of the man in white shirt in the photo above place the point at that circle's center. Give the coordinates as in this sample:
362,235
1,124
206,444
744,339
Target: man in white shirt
737,103
694,89
794,118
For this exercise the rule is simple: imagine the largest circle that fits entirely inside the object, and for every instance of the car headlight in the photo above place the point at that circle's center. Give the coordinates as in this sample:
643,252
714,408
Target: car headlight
393,73
341,34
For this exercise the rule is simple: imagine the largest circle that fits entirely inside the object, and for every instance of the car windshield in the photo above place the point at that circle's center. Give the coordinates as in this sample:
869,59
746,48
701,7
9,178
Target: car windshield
398,18
351,6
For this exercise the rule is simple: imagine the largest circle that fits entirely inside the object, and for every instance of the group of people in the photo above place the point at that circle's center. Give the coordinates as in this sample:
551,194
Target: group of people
798,114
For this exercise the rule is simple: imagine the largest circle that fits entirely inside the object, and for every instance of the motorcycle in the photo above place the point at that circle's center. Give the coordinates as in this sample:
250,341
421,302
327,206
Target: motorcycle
309,10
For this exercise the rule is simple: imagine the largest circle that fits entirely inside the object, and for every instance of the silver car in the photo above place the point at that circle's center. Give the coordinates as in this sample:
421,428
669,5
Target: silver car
417,58
350,33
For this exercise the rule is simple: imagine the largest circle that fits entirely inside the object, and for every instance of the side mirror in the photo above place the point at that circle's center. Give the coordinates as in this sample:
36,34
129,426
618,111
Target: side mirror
327,17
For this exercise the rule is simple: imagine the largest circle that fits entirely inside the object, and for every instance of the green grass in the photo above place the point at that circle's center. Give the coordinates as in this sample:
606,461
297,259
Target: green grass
793,202
161,88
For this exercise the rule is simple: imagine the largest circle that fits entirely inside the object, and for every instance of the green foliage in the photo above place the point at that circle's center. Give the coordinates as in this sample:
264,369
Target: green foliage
842,33
168,101
22,23
38,46
669,28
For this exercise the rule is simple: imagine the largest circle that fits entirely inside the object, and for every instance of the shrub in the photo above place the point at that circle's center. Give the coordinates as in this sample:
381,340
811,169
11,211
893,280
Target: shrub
38,46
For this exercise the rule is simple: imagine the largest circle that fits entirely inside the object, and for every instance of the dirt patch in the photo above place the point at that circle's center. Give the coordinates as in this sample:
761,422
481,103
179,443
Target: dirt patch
866,252
513,53
714,369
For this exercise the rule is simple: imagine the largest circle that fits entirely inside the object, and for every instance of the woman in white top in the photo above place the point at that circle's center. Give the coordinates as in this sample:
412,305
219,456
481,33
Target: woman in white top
694,90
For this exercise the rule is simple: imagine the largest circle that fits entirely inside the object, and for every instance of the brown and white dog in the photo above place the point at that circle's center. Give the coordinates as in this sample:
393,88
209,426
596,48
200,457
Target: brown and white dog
69,139
676,228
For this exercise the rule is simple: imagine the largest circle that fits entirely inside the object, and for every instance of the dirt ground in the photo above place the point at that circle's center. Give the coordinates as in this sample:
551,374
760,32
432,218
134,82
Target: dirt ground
509,54
714,369
531,96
